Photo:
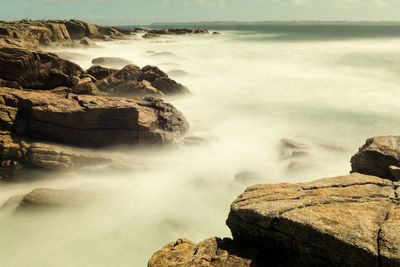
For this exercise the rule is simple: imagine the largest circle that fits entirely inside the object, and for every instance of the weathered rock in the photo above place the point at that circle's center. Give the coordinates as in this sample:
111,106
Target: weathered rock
210,252
379,156
59,32
133,81
93,121
34,69
342,221
19,154
111,62
99,72
86,86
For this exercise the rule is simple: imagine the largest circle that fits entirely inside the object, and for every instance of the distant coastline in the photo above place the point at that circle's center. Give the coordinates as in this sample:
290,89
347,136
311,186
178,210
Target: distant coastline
273,22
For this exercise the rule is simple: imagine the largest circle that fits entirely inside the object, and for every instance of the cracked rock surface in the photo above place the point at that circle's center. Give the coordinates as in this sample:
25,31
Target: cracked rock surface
31,121
343,221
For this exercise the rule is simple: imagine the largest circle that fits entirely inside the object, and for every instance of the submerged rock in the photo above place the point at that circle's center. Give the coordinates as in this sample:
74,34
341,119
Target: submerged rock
111,62
333,221
43,199
379,156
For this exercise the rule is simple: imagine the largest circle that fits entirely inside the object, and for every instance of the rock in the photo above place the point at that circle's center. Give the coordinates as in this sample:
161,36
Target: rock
133,81
19,154
210,252
37,70
343,221
59,32
76,29
379,156
99,72
86,86
92,121
216,33
43,199
111,62
91,30
87,42
292,148
150,35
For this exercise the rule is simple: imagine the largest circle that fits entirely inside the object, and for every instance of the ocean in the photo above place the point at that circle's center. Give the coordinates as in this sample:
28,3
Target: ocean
256,90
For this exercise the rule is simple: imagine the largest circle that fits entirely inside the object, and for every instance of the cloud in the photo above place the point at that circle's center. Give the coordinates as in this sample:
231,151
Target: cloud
203,3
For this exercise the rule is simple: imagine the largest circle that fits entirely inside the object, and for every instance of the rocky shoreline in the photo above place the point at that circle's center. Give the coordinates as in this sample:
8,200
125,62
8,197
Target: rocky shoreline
54,115
351,220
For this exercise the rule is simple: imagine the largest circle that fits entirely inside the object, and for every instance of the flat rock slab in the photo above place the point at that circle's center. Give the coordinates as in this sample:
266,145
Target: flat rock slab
343,221
90,121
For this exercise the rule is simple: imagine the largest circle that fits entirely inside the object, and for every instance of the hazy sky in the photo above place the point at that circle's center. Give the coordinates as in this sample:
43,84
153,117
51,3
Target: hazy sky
125,12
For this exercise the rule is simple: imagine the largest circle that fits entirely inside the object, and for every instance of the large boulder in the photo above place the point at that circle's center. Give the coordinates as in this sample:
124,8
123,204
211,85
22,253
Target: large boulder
211,252
92,121
34,69
343,221
148,81
379,156
99,72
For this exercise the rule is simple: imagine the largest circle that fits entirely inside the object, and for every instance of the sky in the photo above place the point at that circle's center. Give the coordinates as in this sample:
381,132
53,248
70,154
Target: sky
141,12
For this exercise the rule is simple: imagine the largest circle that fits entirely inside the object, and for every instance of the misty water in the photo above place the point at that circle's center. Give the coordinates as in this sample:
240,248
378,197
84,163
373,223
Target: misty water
250,88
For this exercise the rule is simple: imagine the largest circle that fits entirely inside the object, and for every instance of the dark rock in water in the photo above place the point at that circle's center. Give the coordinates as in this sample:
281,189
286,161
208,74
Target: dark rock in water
342,221
210,252
178,73
379,156
216,33
133,81
91,121
43,199
111,62
150,35
99,72
34,69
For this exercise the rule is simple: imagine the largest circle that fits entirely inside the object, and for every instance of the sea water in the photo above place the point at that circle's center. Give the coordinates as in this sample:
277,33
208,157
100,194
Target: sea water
328,87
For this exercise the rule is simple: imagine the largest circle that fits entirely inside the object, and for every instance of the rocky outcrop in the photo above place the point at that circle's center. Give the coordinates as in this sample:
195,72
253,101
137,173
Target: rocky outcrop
211,252
379,156
34,69
92,121
351,220
56,32
133,81
20,154
334,221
